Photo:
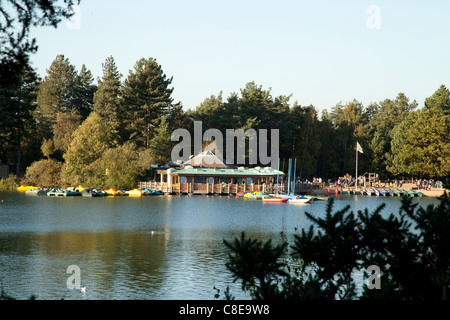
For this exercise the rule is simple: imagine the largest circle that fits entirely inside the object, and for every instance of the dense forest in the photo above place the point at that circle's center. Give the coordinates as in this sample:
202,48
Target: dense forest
66,128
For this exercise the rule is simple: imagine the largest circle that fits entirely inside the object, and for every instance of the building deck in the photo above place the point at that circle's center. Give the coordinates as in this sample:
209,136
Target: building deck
220,189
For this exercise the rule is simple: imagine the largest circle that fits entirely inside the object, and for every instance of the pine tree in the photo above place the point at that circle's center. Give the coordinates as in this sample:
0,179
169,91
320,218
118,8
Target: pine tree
107,98
63,90
57,89
389,113
17,103
147,97
84,90
421,143
161,144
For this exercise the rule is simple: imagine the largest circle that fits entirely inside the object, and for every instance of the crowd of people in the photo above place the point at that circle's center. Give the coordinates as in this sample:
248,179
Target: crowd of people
421,184
427,184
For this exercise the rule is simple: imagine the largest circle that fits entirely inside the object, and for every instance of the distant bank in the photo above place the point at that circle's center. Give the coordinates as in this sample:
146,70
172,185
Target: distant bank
433,193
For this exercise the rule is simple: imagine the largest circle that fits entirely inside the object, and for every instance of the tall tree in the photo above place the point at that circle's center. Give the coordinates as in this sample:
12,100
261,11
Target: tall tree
211,112
107,98
327,159
388,114
17,105
84,89
421,143
64,90
349,121
56,91
439,100
161,144
147,97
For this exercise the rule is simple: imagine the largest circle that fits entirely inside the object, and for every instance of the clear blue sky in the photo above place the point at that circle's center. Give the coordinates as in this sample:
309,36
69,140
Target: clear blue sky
322,52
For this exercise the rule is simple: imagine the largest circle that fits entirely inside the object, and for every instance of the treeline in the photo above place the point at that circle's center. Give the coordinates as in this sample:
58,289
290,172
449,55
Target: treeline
64,129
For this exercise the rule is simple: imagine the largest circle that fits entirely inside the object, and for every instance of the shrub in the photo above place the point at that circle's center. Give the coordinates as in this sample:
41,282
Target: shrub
44,173
10,183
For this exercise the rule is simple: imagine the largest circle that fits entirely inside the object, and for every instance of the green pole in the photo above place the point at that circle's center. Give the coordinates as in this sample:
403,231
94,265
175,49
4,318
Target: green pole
278,173
289,178
295,166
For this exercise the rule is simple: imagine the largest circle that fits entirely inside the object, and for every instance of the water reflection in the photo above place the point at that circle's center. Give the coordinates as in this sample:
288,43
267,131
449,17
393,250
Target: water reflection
111,263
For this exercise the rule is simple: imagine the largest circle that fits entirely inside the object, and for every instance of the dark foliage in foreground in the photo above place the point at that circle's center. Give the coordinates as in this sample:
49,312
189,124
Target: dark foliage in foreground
409,248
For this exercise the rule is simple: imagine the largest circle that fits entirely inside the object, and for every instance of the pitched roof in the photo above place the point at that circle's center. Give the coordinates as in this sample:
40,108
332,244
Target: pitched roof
208,159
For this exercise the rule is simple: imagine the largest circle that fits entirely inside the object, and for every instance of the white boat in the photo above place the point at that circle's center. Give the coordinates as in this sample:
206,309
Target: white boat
299,200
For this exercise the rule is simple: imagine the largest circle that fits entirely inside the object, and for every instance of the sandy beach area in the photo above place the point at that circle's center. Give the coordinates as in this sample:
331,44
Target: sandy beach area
434,192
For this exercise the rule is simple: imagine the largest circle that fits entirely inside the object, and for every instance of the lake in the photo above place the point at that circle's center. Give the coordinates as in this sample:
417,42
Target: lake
154,247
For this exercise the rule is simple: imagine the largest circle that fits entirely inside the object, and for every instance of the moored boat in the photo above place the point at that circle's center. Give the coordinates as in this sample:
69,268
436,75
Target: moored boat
26,188
275,200
80,188
36,192
414,193
403,192
91,192
248,194
113,192
152,192
258,195
242,193
300,200
58,192
135,193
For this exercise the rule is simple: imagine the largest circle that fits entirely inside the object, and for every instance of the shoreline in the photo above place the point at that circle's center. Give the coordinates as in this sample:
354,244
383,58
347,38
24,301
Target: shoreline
433,193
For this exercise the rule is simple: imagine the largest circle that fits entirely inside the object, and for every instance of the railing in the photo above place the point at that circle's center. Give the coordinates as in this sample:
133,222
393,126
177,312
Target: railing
223,188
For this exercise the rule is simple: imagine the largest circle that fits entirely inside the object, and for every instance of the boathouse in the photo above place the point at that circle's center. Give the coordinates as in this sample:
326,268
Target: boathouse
208,173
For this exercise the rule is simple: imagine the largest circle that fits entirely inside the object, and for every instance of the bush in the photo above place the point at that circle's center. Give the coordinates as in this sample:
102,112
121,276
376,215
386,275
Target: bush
44,173
9,184
120,167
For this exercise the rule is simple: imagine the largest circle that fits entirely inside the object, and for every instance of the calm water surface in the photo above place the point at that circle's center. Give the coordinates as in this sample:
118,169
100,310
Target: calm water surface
156,247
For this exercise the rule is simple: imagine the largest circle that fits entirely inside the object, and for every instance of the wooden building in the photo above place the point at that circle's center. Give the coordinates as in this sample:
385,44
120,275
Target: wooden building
209,174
